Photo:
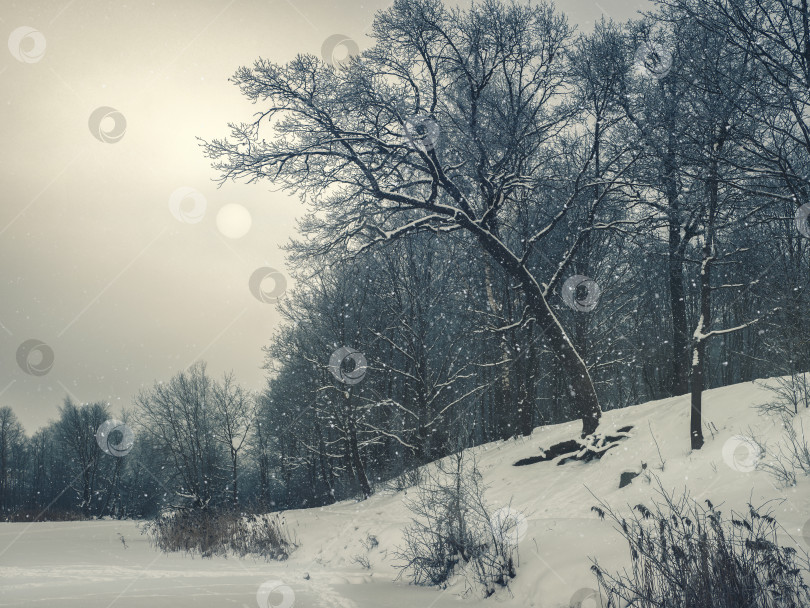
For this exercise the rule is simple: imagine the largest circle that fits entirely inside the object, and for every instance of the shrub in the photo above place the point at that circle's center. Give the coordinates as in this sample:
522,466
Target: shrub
452,531
685,555
791,393
405,480
208,533
791,456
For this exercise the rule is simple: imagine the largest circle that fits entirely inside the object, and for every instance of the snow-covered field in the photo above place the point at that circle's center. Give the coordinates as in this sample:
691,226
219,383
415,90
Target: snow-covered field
87,564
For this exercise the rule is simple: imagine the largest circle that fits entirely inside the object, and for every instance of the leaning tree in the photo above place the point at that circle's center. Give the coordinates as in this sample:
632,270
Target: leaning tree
450,122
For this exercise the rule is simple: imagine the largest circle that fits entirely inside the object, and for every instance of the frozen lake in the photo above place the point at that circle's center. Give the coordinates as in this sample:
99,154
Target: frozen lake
85,564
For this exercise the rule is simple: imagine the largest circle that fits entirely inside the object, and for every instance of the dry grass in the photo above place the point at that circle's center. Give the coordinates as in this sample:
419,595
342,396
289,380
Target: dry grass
208,533
685,555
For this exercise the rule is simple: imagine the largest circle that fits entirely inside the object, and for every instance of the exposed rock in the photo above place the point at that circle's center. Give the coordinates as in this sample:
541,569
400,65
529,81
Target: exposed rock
592,447
626,478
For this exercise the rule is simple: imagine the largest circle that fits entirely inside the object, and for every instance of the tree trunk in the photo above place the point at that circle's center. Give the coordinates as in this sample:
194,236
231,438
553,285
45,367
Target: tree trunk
3,470
112,488
503,389
528,370
87,502
699,360
326,472
286,474
424,447
704,324
583,264
264,465
359,468
679,383
234,457
696,419
581,390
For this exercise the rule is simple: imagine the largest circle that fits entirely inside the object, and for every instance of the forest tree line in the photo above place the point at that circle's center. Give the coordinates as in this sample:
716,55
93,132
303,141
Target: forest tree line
509,224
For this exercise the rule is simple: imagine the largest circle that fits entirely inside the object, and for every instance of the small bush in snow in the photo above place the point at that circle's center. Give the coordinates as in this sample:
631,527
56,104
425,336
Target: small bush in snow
370,542
453,532
791,456
208,533
684,555
405,480
791,393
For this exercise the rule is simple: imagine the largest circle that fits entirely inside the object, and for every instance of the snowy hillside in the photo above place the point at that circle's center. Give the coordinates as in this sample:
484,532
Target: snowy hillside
108,563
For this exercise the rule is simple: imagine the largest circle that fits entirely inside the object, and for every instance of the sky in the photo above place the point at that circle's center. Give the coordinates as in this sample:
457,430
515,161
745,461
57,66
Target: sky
121,260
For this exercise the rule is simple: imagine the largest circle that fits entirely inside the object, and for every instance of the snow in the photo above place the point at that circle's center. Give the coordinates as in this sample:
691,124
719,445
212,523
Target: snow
85,564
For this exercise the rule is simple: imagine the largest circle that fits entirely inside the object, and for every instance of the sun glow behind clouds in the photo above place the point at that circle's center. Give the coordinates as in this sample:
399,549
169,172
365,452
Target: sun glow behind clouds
234,221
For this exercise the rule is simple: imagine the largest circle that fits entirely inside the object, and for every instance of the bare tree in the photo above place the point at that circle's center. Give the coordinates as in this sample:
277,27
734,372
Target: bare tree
11,436
177,417
76,430
653,104
715,154
448,123
430,360
234,415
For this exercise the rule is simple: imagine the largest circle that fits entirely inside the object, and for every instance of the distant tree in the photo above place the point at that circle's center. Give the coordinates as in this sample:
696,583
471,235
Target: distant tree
598,66
76,431
333,313
430,356
234,415
12,439
177,418
42,464
661,123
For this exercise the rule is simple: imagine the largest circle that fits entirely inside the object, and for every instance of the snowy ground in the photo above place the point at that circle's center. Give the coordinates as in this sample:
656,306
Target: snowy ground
87,565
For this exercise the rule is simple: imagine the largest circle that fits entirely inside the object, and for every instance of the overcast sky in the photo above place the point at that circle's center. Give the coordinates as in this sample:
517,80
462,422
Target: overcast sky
93,263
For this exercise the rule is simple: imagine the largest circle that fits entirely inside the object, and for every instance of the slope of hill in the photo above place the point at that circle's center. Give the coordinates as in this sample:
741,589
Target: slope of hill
89,564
